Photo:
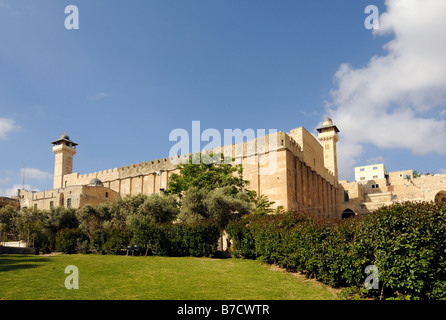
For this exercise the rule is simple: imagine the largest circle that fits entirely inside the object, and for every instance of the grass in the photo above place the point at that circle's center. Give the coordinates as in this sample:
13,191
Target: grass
27,277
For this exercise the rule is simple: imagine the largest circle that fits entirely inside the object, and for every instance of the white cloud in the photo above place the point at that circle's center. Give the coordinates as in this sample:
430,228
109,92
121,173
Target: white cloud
99,96
376,160
348,155
30,174
34,173
12,191
6,126
394,101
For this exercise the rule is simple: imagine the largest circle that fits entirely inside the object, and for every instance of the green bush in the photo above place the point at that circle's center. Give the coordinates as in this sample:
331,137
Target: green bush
68,240
110,241
201,239
179,239
243,245
41,241
117,240
406,242
98,239
409,245
149,236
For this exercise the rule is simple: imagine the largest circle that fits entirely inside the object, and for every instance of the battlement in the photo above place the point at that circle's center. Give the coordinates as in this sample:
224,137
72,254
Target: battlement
247,150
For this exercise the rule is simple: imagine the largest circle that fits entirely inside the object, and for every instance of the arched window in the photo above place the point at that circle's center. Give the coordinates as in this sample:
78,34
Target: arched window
347,213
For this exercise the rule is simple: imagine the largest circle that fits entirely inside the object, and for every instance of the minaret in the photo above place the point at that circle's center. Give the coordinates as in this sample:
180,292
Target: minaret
64,150
328,136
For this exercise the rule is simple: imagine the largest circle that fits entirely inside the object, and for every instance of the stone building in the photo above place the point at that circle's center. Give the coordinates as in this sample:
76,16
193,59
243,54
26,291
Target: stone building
70,197
74,195
292,169
375,187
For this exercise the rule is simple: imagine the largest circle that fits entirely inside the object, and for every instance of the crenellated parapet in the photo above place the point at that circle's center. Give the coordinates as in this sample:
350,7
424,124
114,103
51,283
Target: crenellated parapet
246,152
286,167
132,170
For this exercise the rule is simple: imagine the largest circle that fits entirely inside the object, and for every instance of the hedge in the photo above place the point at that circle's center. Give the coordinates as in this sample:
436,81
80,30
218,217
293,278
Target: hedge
198,240
70,240
406,242
110,241
179,239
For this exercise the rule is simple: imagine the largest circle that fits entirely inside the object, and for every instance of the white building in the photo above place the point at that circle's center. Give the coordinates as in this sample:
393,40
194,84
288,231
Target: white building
372,172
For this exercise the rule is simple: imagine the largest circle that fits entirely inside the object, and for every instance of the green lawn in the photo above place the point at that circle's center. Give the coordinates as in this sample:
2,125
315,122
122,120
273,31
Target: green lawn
25,277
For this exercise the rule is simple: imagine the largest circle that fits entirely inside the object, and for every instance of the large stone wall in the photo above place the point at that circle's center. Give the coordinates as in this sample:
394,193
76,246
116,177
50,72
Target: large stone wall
290,173
423,188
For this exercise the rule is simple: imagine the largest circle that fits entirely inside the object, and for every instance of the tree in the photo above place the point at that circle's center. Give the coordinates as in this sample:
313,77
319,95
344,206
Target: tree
222,205
211,188
262,205
8,215
193,209
130,204
118,214
159,208
29,223
205,172
111,215
91,219
57,219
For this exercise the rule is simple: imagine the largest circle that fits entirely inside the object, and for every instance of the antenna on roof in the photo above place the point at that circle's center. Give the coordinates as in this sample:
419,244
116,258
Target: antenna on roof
23,176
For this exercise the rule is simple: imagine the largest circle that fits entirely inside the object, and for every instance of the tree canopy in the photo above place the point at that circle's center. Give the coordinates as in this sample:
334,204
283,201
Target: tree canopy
207,172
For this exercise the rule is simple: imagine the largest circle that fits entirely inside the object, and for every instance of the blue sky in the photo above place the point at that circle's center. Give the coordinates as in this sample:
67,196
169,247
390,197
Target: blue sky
136,70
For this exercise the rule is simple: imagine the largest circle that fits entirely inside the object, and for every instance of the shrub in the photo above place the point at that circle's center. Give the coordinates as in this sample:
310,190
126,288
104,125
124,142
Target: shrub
67,240
98,239
41,241
57,219
243,241
201,239
406,242
149,236
116,240
409,245
179,239
110,241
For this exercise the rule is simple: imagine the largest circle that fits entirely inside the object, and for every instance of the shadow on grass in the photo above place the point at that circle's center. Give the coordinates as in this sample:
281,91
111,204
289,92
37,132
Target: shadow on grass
11,263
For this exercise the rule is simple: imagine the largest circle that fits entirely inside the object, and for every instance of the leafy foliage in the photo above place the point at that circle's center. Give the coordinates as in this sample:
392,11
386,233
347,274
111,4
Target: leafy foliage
207,172
406,242
175,239
159,209
220,205
7,217
68,240
58,219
